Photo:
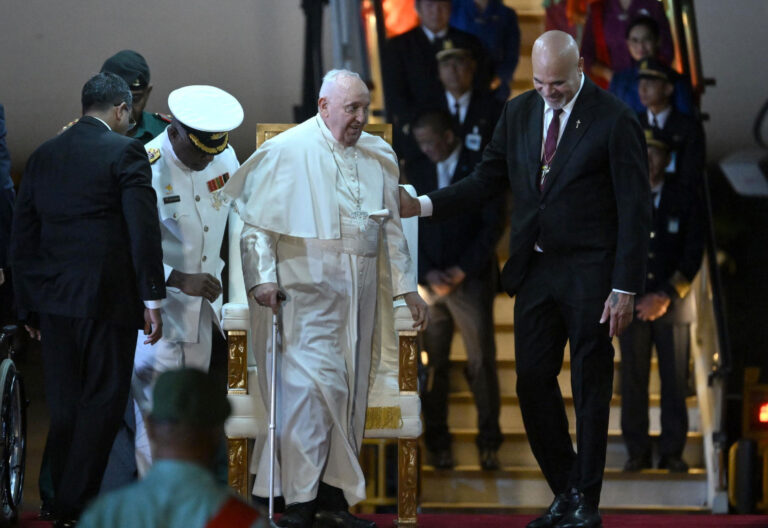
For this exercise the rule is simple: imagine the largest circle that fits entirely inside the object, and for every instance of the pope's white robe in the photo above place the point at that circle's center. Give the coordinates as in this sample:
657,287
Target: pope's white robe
296,206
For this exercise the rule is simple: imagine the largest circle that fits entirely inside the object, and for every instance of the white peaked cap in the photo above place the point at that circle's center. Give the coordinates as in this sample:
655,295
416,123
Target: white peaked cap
205,108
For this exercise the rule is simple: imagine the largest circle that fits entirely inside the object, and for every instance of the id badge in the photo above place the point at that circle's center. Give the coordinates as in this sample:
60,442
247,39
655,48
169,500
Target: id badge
473,141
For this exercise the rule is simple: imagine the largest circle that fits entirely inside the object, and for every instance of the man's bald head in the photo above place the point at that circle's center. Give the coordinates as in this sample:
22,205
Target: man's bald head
557,67
343,105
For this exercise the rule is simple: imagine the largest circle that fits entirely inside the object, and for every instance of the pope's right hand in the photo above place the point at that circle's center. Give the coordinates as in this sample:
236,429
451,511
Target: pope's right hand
267,294
409,206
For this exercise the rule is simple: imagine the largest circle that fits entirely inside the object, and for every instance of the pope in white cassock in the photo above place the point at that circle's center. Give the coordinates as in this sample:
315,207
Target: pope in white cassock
320,205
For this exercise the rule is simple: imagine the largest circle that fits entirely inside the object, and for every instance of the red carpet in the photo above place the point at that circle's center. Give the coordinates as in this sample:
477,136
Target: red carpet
432,520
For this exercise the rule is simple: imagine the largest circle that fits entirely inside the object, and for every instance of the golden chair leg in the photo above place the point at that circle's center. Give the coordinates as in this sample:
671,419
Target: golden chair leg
407,482
237,455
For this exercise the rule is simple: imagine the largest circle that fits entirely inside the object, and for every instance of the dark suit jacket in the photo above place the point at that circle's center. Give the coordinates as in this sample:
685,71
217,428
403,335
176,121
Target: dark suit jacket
467,240
7,193
411,82
685,136
675,249
595,207
85,240
483,112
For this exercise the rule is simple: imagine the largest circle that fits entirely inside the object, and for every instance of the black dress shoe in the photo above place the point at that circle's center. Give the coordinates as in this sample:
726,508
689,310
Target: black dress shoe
638,463
489,459
554,513
46,513
581,515
673,463
71,523
298,515
340,519
442,459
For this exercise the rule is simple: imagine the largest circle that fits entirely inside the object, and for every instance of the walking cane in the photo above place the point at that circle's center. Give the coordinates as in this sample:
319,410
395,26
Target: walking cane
272,420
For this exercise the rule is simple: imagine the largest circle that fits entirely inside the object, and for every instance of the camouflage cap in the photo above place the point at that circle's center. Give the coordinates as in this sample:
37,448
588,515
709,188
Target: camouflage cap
189,397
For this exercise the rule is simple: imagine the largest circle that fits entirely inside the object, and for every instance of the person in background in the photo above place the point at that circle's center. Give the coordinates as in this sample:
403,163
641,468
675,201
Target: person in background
458,268
411,82
643,43
474,110
185,427
682,133
496,26
604,46
664,316
85,251
132,67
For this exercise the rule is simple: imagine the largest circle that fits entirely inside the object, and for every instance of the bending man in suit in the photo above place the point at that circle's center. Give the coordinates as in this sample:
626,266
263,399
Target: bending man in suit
457,265
85,252
579,235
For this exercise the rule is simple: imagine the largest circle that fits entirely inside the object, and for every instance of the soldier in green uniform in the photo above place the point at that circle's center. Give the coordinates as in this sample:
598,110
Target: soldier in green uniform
134,70
132,67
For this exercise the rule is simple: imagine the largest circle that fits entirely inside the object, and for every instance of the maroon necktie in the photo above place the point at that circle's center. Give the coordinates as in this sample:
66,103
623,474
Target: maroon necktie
550,145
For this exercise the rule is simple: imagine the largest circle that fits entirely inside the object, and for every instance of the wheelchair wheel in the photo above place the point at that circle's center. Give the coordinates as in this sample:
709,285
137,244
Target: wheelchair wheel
13,441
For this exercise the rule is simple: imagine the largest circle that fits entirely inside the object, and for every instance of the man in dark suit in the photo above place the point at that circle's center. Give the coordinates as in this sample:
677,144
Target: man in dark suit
411,83
682,133
579,234
85,252
664,316
457,265
474,110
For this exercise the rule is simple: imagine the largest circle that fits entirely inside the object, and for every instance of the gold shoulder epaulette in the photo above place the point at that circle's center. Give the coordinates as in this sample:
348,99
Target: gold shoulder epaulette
164,117
153,154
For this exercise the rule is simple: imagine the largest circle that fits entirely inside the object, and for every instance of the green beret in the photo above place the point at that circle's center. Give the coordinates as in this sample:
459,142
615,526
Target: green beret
129,65
189,397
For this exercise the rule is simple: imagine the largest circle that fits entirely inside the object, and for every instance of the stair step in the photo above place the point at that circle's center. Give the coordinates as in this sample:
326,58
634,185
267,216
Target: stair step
462,413
523,486
515,450
505,369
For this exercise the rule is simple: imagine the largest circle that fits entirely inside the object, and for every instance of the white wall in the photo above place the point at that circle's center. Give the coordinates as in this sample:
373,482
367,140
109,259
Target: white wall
48,49
734,50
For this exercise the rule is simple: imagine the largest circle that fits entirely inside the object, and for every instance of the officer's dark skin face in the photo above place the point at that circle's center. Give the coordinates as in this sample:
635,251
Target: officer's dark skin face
140,98
191,156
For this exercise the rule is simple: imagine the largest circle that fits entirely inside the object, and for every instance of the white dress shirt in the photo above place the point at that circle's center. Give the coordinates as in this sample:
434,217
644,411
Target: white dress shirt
432,36
661,117
447,167
463,102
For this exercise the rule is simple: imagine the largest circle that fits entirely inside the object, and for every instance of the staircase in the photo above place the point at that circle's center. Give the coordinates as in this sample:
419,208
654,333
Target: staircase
519,485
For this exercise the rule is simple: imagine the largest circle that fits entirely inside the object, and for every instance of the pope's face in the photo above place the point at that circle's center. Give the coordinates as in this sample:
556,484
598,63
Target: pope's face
345,110
557,79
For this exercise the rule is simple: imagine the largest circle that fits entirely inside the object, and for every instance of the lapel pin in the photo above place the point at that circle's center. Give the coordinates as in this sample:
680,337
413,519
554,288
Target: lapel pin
578,122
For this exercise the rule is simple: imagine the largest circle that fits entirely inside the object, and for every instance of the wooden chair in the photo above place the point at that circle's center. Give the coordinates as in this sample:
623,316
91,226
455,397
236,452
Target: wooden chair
393,404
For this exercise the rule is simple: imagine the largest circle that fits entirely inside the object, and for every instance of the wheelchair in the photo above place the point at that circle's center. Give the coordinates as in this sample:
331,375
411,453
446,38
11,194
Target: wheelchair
13,430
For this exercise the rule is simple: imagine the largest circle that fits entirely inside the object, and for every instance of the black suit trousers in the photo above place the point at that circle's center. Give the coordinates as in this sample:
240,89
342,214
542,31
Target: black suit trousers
672,348
87,366
470,308
557,302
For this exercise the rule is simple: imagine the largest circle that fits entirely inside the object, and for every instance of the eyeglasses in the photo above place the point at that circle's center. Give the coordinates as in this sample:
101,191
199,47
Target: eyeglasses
131,120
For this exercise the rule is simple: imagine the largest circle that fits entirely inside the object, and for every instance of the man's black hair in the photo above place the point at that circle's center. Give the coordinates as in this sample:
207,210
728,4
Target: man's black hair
644,20
104,90
439,121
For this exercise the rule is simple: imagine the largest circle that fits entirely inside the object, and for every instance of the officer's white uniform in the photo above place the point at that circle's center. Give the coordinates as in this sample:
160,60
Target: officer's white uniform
193,216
